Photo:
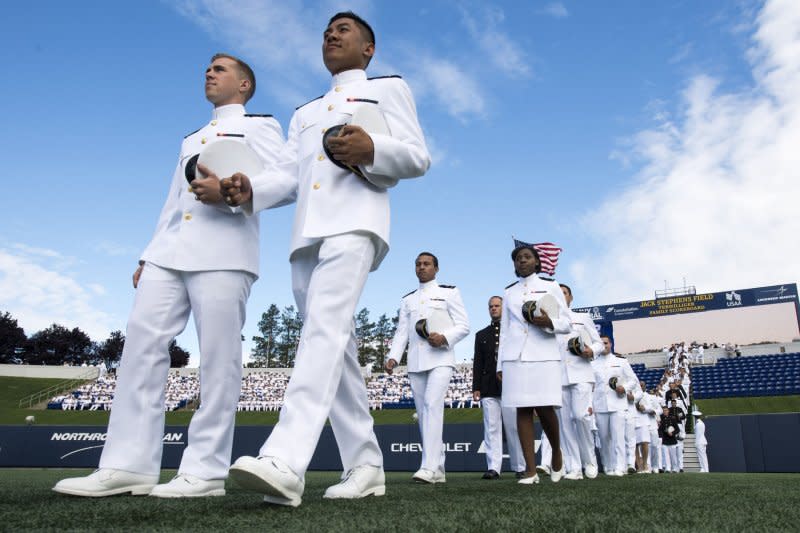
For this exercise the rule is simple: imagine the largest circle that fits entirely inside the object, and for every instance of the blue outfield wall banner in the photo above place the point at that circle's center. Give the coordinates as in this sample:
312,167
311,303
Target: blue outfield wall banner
754,443
694,303
748,443
80,446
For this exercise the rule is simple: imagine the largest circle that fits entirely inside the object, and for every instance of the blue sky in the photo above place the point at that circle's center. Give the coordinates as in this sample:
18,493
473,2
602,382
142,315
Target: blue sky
653,141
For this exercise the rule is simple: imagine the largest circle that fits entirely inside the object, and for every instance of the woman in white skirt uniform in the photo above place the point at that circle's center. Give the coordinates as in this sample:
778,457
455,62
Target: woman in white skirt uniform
530,360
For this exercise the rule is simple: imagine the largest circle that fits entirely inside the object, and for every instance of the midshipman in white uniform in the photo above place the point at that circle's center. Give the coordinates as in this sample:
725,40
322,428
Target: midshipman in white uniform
340,234
609,405
700,441
202,260
431,356
577,384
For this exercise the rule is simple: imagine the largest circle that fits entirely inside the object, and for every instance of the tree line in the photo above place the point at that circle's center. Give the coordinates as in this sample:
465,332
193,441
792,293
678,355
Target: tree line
274,347
58,345
279,334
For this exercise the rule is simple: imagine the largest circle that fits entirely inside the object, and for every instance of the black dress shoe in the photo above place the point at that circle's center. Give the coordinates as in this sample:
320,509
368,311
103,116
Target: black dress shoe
519,475
491,474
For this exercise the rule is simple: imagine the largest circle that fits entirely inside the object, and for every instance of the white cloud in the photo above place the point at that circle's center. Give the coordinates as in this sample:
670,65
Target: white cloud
438,155
681,53
32,250
454,90
115,249
716,195
555,10
282,36
38,294
495,43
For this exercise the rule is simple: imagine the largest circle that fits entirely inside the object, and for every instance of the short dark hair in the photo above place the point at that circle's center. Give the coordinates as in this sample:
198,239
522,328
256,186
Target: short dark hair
435,259
564,285
366,29
495,296
244,72
533,250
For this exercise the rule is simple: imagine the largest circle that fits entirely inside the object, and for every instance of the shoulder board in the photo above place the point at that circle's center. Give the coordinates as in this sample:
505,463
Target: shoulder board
250,115
385,77
618,356
511,285
409,293
546,279
312,100
448,286
195,131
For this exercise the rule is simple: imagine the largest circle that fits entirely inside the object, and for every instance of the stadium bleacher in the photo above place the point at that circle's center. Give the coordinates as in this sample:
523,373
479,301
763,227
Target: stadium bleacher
758,375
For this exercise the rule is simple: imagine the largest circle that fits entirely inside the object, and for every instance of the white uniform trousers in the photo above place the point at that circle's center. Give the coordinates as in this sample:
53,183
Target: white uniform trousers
611,429
515,458
655,450
327,280
702,458
161,309
546,450
630,438
682,427
429,389
570,462
497,418
492,432
671,463
577,440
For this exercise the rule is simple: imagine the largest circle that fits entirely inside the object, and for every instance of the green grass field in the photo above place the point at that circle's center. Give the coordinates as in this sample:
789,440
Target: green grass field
13,389
665,502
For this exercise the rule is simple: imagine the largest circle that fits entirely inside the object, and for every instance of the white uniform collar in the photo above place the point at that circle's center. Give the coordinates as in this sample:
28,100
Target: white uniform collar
427,284
529,278
348,76
230,110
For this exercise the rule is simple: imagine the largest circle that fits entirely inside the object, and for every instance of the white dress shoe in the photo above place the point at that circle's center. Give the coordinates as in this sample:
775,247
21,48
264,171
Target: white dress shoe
360,482
556,475
615,473
107,482
543,469
189,486
533,480
271,477
576,475
423,475
591,471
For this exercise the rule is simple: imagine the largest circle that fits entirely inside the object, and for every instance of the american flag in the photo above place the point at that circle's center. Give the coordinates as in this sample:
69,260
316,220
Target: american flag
548,253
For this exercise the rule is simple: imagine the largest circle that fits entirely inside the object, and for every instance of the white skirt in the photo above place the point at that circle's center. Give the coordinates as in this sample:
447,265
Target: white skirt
531,383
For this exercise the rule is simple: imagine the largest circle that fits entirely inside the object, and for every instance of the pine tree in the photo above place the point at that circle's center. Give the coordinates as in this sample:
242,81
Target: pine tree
265,351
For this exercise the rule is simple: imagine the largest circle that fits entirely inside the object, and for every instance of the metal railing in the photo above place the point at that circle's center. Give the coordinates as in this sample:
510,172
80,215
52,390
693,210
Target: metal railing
58,388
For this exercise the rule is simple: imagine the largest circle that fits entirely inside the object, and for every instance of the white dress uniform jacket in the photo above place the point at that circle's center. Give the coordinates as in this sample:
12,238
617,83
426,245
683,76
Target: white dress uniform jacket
579,369
186,226
325,191
418,304
605,399
520,340
202,259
